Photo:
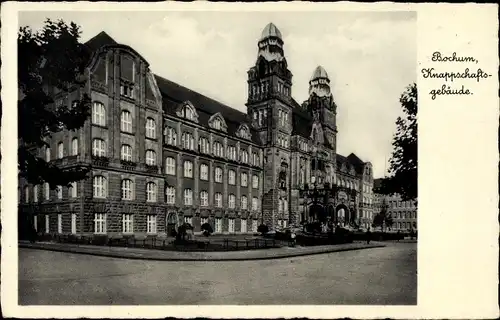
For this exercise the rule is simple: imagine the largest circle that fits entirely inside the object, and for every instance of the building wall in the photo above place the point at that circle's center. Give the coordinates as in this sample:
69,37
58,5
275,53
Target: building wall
404,213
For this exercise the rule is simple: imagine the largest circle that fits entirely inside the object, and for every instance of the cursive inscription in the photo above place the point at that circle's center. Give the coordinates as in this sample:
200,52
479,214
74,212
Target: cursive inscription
449,69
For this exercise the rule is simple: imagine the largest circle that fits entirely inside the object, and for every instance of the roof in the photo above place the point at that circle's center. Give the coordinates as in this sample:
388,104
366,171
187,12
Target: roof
319,72
174,93
270,31
351,160
100,40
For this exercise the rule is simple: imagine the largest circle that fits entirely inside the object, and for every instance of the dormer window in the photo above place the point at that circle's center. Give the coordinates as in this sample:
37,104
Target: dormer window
187,113
217,124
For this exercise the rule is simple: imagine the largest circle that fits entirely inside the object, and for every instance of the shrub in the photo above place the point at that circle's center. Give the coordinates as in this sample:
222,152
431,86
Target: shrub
313,227
207,229
100,239
263,229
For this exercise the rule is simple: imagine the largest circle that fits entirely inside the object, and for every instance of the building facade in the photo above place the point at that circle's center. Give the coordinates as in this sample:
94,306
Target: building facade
403,213
161,154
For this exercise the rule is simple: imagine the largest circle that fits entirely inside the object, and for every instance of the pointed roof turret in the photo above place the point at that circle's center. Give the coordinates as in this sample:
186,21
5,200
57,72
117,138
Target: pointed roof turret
270,31
318,73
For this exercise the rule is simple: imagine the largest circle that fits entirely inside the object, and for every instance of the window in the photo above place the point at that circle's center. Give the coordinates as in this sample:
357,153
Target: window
98,114
188,197
244,156
218,200
47,191
232,201
244,179
150,128
188,220
231,225
126,121
170,166
254,225
217,124
73,191
203,172
151,158
204,220
243,227
26,194
47,222
231,153
99,187
188,113
35,222
100,223
74,147
255,159
218,174
59,223
127,187
170,136
126,152
60,150
218,225
170,195
232,177
98,148
35,193
188,169
73,223
151,192
218,150
204,145
47,154
203,198
127,90
255,182
244,203
187,141
151,224
59,192
127,223
254,203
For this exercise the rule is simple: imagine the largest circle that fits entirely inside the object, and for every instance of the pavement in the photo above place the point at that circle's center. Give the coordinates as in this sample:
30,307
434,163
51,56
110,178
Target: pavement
378,276
164,255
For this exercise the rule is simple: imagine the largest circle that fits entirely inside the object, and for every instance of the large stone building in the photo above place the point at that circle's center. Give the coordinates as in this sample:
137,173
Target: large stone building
403,213
161,154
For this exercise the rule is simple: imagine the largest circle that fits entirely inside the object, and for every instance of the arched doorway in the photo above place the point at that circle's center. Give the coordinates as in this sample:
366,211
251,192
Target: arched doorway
171,223
317,213
342,214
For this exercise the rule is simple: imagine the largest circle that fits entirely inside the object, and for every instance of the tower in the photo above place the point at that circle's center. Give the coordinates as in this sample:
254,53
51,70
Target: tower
269,108
322,106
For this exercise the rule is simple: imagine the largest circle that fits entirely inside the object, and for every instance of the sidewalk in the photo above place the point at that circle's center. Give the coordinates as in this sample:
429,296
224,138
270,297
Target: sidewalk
162,255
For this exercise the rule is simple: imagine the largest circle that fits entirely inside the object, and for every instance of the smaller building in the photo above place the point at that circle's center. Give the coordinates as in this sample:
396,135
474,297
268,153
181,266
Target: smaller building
403,213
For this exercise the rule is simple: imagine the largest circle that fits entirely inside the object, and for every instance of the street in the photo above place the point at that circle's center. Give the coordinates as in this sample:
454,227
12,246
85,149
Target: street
379,276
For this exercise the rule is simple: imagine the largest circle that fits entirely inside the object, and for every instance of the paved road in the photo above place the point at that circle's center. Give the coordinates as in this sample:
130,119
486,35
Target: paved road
371,276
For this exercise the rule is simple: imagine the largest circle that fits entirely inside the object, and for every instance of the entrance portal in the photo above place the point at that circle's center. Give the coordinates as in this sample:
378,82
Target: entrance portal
171,223
342,215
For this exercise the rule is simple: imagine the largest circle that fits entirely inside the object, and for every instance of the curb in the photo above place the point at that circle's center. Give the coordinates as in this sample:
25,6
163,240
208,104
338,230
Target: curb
134,256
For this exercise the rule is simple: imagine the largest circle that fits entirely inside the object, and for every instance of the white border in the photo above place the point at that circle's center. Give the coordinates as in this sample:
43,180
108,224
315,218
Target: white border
458,170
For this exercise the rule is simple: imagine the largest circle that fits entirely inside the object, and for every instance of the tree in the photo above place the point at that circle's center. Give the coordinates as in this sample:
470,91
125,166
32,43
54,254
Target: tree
49,60
383,217
403,163
207,229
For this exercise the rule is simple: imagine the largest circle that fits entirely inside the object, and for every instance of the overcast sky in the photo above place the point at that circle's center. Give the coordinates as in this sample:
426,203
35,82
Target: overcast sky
370,57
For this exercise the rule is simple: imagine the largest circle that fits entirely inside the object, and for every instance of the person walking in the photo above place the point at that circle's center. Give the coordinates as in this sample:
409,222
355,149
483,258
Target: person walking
293,236
368,235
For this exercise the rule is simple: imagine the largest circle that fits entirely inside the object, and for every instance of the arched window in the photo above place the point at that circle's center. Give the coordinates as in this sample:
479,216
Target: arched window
98,148
60,150
150,157
170,136
218,199
126,152
188,169
127,188
217,124
98,114
203,172
188,113
151,192
100,187
204,198
26,194
35,193
255,181
244,179
150,128
74,147
232,177
126,121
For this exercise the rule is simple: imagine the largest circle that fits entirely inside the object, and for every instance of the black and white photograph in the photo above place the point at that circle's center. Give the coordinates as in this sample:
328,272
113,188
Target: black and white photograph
217,158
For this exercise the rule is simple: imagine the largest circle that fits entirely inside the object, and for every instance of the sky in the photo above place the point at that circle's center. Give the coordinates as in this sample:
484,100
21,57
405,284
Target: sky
369,56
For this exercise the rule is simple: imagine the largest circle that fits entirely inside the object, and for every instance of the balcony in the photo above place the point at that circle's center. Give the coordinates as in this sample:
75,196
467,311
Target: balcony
151,169
128,165
100,161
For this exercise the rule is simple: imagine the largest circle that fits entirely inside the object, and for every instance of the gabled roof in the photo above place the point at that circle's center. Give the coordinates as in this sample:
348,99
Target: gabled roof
351,160
100,40
174,93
